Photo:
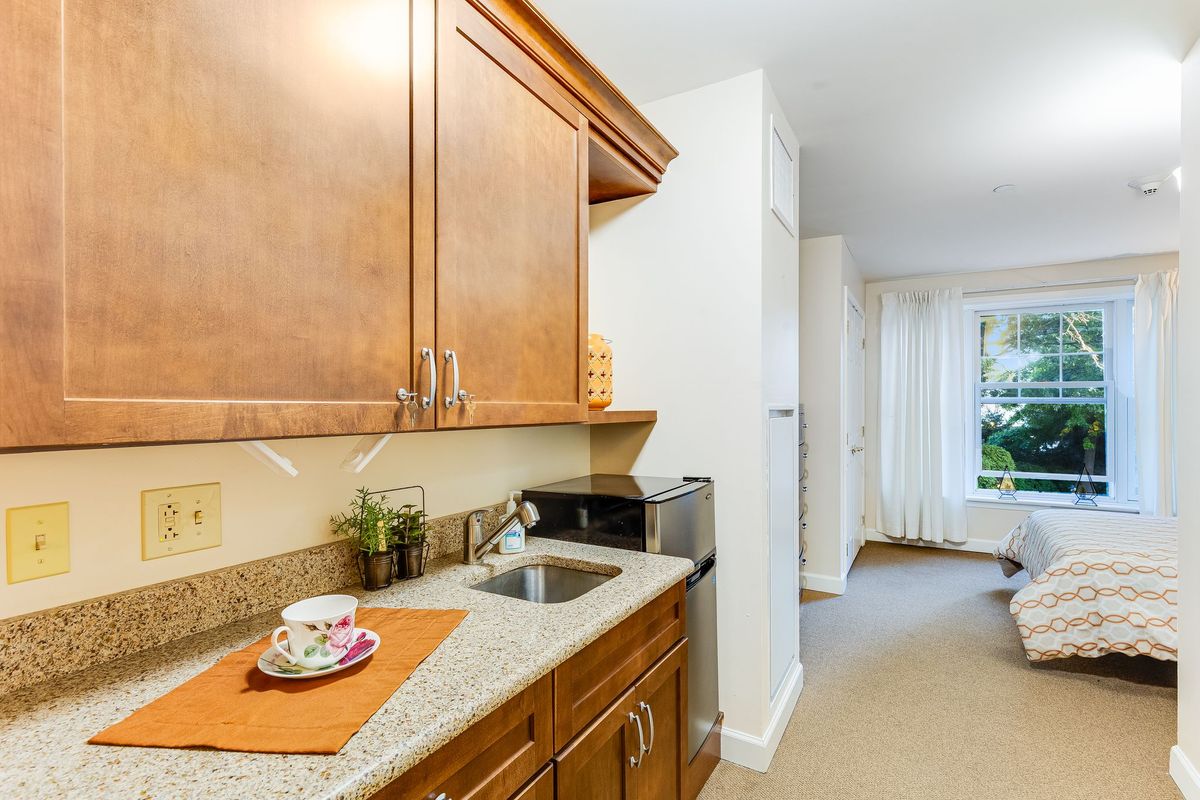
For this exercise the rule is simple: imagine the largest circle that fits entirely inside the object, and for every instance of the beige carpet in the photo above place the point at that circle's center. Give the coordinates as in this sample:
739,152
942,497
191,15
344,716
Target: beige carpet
916,688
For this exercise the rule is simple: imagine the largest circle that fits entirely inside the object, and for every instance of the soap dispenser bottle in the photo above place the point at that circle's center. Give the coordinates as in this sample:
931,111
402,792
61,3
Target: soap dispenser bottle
514,540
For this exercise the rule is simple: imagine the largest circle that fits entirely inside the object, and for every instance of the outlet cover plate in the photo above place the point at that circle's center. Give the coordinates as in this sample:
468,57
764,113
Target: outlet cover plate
39,541
180,519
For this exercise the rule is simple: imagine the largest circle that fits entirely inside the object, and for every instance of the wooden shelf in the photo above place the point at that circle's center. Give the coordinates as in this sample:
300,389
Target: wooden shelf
611,417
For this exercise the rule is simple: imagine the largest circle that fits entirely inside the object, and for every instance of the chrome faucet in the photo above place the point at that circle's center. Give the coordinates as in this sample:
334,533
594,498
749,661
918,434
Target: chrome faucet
475,543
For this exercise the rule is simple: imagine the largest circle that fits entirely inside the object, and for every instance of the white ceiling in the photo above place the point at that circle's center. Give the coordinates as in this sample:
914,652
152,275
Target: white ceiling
909,113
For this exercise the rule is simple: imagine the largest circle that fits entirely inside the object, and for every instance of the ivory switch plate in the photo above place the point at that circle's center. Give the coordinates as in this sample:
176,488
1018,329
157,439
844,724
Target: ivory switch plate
180,519
39,541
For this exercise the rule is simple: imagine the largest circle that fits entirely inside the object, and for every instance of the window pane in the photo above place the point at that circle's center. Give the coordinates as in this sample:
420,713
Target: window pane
1039,393
1039,485
1039,333
998,393
999,370
998,335
1083,331
1040,370
1094,392
1044,437
1083,368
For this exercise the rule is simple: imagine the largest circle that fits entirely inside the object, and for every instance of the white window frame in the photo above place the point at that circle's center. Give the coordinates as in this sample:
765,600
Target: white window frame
1119,470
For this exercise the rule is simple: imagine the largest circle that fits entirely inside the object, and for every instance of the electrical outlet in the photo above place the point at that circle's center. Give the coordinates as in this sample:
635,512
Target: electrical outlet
39,541
180,519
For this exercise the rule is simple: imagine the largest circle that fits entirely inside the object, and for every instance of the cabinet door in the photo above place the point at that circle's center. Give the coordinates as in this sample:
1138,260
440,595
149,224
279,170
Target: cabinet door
540,788
511,231
490,760
224,202
599,763
661,700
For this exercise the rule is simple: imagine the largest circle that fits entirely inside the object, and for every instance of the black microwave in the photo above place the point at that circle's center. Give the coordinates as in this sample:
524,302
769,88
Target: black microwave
673,516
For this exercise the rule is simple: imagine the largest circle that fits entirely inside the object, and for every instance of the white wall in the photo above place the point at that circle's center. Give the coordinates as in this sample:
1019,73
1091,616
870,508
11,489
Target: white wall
264,514
686,283
1185,758
986,525
827,268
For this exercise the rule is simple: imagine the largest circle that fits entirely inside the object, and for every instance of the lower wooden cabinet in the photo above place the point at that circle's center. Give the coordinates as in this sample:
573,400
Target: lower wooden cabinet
634,750
661,699
600,763
540,788
491,760
554,742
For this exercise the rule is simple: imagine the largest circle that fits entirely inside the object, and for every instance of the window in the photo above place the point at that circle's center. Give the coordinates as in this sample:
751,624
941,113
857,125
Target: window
1052,398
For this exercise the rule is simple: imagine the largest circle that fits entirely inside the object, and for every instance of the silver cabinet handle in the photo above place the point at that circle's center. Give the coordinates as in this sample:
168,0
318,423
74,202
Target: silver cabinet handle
452,359
456,393
636,761
650,715
427,357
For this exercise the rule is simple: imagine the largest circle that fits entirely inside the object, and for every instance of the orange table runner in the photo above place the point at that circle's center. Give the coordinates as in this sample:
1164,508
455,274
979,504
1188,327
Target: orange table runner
234,706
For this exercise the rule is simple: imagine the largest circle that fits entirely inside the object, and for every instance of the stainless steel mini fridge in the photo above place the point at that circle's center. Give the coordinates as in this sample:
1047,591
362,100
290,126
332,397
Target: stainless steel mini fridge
672,516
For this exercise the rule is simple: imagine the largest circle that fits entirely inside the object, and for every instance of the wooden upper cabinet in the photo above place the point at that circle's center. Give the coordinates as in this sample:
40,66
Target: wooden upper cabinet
628,156
511,232
236,230
253,220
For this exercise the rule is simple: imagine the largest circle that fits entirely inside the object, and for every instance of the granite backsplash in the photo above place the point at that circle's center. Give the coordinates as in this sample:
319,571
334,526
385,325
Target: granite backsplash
62,640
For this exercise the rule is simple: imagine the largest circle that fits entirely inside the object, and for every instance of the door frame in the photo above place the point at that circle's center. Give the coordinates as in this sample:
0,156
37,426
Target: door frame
850,543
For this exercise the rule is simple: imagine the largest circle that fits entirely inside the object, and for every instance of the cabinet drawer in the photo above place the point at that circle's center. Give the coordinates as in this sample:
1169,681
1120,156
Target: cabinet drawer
492,759
593,678
540,788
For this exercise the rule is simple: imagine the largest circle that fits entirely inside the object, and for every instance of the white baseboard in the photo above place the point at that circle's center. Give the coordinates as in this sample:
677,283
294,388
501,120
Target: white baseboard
969,546
1183,772
829,584
756,752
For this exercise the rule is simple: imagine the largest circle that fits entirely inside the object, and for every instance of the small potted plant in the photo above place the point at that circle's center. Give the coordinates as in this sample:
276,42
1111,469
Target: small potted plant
369,525
410,541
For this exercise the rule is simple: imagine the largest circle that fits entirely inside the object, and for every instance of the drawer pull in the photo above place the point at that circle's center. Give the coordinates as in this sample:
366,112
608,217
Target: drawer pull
636,761
650,715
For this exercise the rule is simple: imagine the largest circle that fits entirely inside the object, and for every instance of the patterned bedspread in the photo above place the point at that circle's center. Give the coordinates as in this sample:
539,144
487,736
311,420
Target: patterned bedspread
1102,582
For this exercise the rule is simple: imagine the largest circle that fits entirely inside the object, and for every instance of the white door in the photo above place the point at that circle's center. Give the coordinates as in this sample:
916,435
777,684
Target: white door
853,434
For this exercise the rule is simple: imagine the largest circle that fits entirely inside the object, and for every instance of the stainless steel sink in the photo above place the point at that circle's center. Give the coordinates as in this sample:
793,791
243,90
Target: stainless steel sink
543,583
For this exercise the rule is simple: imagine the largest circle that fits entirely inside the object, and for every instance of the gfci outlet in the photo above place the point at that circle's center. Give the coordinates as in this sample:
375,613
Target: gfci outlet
180,519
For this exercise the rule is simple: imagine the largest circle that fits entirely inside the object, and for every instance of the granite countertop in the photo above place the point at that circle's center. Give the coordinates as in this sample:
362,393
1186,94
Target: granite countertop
503,646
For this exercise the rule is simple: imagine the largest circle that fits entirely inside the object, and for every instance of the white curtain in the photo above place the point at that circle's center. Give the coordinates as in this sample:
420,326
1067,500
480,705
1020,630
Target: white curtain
922,398
1154,353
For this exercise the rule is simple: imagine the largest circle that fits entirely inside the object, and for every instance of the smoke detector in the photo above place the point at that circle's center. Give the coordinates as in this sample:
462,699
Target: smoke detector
1148,186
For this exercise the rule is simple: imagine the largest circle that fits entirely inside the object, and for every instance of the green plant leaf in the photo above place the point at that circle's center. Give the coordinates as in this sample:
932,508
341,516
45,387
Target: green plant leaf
311,650
322,639
325,653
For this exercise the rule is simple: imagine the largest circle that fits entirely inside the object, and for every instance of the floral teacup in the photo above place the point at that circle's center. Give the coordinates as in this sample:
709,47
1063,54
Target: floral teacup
319,630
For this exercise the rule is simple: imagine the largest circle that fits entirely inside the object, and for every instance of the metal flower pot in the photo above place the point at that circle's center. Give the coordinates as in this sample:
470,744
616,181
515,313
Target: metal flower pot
411,559
375,569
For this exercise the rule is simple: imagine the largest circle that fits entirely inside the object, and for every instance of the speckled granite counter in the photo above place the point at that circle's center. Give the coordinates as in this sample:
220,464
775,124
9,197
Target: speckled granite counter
503,646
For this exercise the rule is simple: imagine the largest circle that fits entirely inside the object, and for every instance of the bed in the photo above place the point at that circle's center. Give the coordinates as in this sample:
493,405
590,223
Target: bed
1101,582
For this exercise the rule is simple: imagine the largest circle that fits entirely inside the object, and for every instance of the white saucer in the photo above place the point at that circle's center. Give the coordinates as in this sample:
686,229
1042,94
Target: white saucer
272,663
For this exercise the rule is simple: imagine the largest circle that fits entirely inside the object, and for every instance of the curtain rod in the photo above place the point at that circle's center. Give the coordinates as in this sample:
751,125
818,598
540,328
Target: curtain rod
1119,280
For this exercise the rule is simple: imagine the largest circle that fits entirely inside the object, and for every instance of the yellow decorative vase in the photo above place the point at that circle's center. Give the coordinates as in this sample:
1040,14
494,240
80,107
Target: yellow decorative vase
600,381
